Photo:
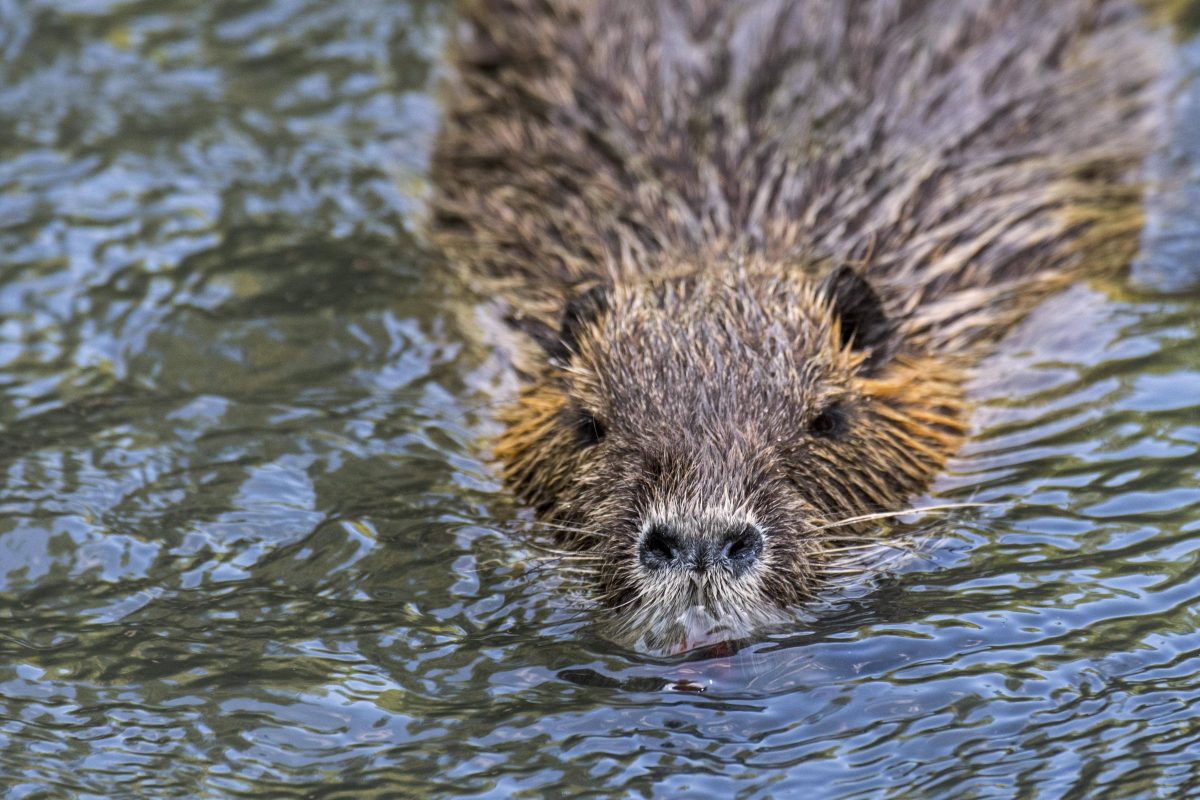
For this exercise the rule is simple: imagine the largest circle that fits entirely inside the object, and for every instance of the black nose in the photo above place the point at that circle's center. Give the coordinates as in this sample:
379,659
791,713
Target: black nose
735,549
742,546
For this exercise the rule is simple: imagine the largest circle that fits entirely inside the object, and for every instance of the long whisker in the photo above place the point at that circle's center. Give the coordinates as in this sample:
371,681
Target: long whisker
561,551
620,607
526,525
865,547
903,513
564,558
559,526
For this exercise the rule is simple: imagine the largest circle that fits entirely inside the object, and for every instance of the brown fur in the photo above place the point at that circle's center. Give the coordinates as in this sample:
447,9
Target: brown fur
705,163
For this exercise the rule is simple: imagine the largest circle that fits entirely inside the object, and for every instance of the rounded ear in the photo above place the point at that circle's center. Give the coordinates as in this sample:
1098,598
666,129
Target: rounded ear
865,324
578,313
582,311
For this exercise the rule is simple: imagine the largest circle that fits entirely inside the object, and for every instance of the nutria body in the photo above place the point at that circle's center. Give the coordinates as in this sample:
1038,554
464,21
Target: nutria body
759,243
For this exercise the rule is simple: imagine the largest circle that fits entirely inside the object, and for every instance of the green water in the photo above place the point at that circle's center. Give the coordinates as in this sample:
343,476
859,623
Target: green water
249,545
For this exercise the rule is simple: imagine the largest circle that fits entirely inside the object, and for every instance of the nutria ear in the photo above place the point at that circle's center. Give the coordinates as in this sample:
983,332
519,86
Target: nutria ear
864,322
581,311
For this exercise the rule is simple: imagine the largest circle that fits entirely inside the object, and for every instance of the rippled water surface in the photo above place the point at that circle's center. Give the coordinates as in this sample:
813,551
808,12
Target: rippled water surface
250,546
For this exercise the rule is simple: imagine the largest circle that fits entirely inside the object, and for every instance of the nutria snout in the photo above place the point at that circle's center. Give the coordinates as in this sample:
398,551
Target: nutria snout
755,247
691,545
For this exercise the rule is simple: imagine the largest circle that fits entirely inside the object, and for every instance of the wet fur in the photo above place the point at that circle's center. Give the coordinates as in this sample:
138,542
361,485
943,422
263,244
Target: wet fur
655,191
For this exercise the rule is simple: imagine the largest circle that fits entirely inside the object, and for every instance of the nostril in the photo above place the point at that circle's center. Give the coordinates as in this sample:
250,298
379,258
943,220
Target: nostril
743,545
660,547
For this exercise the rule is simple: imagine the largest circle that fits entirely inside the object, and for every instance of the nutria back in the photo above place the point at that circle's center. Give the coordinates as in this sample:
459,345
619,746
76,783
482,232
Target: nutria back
758,243
939,144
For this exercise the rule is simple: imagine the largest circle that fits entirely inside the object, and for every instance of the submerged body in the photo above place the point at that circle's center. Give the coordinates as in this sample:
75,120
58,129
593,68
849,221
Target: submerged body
758,244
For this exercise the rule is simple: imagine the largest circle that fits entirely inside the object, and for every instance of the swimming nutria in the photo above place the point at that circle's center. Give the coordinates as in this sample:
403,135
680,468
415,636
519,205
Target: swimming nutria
758,244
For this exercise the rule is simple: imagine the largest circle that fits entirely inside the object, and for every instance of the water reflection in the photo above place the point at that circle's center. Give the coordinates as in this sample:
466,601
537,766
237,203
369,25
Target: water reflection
249,544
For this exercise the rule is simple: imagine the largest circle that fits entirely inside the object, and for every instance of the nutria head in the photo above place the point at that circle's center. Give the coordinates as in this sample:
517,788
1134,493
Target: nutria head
697,437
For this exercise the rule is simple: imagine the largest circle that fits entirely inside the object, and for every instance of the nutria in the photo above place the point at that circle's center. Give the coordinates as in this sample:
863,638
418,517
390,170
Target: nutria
758,245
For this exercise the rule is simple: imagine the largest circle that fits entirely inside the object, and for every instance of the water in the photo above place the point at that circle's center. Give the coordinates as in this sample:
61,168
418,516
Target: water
250,545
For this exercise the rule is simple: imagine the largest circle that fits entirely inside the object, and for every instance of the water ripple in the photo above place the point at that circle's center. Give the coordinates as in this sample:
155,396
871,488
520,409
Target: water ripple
250,544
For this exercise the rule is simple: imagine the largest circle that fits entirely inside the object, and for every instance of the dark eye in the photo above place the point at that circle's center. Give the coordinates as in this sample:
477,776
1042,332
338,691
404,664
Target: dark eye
831,423
589,430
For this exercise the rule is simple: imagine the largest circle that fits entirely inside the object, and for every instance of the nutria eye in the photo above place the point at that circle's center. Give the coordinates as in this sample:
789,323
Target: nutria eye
589,430
830,423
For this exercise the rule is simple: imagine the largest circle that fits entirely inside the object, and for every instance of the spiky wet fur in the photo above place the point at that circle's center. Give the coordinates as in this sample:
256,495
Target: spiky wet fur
709,160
